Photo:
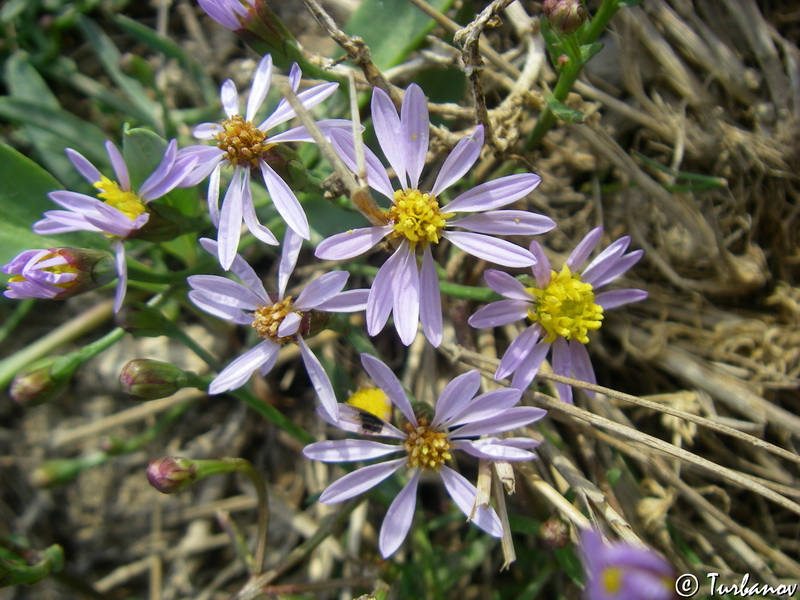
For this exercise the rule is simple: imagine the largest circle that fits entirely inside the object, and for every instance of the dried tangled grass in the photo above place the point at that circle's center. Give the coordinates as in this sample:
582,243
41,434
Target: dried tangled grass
691,146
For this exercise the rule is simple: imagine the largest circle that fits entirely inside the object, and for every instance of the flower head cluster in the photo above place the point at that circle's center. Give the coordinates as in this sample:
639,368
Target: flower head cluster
419,219
276,320
119,211
459,417
562,307
57,273
243,144
620,572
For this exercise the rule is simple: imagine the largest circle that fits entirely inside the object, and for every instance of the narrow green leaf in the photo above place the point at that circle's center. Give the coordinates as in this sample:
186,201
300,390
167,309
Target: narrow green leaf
170,49
392,28
73,132
109,56
628,3
564,112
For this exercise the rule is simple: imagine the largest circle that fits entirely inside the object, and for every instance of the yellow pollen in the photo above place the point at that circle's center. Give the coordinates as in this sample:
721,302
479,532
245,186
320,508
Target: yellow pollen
426,448
243,142
566,307
416,217
267,320
373,401
127,202
612,579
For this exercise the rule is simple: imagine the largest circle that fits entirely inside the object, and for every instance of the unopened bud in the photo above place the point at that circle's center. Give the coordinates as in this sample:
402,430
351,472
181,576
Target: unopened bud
554,533
171,474
150,379
565,16
232,14
58,273
43,380
287,163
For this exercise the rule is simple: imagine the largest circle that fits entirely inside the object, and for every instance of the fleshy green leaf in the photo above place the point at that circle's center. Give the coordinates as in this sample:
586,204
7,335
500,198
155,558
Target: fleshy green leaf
564,112
589,50
400,28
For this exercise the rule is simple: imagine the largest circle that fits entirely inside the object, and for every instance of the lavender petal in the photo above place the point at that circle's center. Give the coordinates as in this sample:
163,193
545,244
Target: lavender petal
405,307
518,350
582,364
527,368
285,201
398,518
292,243
622,265
500,313
430,306
348,450
388,382
236,374
381,295
122,275
506,285
584,249
345,302
455,395
260,87
414,127
83,166
492,449
495,194
484,407
375,172
463,494
319,380
562,365
119,166
352,243
615,298
505,222
323,288
289,325
492,249
359,481
541,269
511,418
229,97
388,130
230,221
459,161
603,261
241,269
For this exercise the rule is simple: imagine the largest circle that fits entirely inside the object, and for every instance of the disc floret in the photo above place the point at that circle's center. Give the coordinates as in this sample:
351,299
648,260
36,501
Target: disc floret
242,142
416,217
267,320
426,447
127,202
566,307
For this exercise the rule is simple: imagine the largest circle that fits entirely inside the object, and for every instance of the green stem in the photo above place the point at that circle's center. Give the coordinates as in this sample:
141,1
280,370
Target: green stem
21,309
569,75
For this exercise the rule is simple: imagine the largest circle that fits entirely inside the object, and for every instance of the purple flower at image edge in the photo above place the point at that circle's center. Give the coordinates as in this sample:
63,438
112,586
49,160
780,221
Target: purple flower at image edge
459,416
227,13
119,211
418,219
243,144
563,308
276,321
619,571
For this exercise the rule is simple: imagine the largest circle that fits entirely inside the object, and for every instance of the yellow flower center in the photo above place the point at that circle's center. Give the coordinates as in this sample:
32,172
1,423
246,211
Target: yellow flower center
427,448
373,401
127,202
267,320
242,142
57,269
416,217
612,579
566,307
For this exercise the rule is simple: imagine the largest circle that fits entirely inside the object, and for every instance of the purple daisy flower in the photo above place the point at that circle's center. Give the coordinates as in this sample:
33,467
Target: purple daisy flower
228,13
417,219
563,308
57,273
120,211
276,321
459,417
244,145
619,571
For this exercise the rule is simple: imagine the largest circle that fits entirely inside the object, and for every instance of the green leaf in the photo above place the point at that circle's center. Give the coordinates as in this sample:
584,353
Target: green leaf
23,199
25,83
628,3
109,56
564,112
588,51
392,28
170,49
73,132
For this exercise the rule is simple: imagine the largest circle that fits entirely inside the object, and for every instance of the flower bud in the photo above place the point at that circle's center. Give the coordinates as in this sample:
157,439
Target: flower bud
149,379
171,474
58,273
554,533
287,163
43,380
565,16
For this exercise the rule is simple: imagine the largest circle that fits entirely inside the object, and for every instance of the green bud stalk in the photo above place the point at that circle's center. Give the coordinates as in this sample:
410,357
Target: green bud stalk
149,379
